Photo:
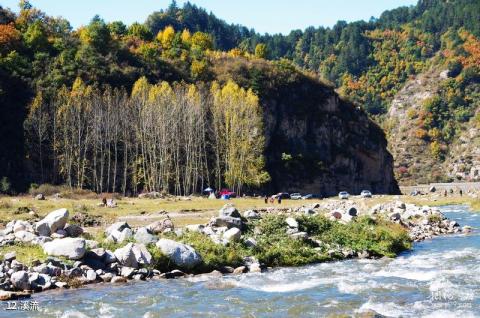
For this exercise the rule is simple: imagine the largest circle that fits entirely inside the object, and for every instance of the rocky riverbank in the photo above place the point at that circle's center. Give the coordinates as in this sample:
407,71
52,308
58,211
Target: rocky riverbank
231,243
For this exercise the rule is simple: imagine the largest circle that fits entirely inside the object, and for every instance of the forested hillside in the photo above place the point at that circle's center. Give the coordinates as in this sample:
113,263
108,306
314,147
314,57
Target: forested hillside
370,62
117,108
68,98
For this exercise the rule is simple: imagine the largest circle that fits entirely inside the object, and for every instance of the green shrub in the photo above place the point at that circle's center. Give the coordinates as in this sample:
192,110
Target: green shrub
214,255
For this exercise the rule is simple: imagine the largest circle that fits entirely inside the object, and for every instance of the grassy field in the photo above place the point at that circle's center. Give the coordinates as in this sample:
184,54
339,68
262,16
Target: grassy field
182,210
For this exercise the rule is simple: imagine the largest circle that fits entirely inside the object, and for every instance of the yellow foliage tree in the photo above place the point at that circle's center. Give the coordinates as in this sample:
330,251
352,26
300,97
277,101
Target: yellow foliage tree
239,132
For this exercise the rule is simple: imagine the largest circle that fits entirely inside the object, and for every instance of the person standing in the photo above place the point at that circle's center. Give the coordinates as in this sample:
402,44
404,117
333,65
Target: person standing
266,199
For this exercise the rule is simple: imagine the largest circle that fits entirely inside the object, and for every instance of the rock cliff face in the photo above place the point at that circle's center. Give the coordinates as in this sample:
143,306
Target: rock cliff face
315,141
414,162
325,148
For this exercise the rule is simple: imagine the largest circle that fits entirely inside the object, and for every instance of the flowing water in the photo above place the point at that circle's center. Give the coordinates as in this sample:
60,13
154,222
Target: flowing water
438,278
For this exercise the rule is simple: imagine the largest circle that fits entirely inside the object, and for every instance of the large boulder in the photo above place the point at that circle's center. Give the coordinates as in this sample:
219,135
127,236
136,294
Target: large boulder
227,221
54,221
25,236
119,237
142,255
143,235
291,222
20,280
229,210
181,254
160,226
73,230
232,234
20,225
125,256
118,226
251,214
71,248
132,254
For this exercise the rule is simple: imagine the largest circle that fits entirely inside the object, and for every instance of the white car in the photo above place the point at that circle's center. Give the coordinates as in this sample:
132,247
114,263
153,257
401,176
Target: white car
343,195
366,194
295,196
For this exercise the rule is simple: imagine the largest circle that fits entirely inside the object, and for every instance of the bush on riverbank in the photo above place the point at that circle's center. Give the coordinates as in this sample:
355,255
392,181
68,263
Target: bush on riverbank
275,247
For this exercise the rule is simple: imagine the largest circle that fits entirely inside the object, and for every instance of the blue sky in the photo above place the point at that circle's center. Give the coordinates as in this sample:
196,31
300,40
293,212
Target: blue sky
270,16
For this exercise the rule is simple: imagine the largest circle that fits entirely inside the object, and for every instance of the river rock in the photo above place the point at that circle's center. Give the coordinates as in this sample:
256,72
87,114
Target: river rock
195,227
119,237
232,235
73,230
291,222
127,272
229,210
118,226
227,221
10,256
24,236
181,254
161,226
240,270
52,222
125,256
71,248
22,226
251,214
251,242
142,255
143,235
20,280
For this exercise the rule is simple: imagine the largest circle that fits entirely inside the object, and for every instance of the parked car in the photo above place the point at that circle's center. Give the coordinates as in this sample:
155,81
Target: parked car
307,196
343,195
366,194
227,192
283,195
295,196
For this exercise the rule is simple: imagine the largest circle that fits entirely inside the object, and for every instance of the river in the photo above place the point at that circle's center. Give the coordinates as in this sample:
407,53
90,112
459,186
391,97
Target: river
438,278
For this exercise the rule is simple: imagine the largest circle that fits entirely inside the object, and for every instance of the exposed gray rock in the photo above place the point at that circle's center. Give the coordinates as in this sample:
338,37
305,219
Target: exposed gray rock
25,236
142,255
119,237
127,272
40,196
291,222
52,222
20,280
126,256
232,235
143,235
250,242
118,226
181,254
73,230
227,221
299,235
20,225
72,248
195,227
91,276
10,256
161,226
251,214
229,210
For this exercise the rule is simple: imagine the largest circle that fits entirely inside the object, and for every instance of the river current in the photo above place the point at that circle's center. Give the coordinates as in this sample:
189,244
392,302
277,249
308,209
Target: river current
438,278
